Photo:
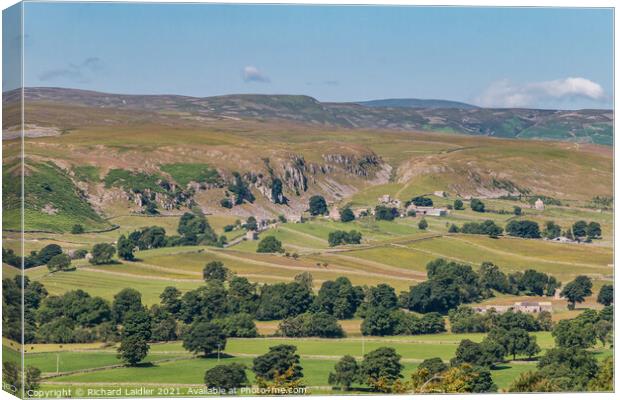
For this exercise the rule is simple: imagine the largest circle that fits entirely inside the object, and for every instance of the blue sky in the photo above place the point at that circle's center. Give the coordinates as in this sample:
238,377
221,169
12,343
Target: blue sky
547,58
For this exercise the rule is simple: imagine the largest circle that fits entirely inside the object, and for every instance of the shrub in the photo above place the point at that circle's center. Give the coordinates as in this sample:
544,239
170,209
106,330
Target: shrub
77,229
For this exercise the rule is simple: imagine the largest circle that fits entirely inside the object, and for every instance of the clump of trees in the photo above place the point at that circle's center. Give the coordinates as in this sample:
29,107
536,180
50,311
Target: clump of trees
583,229
34,259
421,201
487,227
523,229
319,324
570,366
382,369
384,213
338,298
465,320
383,322
337,238
450,284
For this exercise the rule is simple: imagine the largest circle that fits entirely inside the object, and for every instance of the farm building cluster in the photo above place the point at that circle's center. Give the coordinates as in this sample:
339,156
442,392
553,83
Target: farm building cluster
530,307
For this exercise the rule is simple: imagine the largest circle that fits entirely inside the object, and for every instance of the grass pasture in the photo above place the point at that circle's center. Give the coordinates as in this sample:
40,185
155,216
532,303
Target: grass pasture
171,365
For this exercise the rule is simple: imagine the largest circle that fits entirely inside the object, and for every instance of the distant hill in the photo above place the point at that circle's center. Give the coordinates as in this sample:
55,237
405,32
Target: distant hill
416,103
585,126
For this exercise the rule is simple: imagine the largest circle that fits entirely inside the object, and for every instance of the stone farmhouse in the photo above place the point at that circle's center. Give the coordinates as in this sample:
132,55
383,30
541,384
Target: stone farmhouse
530,307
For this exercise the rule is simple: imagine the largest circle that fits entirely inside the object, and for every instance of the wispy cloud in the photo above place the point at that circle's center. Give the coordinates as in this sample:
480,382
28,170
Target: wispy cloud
506,94
82,72
252,74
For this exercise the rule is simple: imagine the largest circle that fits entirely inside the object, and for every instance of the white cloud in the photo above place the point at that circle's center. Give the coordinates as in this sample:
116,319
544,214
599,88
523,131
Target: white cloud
506,94
252,74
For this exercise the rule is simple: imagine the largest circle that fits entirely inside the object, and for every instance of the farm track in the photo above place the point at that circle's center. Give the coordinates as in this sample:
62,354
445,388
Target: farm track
327,269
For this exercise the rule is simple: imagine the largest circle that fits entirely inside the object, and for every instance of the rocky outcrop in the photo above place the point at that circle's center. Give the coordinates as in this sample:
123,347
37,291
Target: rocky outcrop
364,166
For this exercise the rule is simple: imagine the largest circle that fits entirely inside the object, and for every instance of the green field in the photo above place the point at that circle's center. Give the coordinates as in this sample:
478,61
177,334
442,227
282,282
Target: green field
317,358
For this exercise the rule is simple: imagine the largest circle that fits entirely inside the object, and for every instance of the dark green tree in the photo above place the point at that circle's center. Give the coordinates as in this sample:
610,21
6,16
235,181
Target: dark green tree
59,262
580,229
346,215
269,244
421,201
593,230
278,360
384,213
606,295
569,369
46,253
345,373
380,367
102,253
133,349
226,377
240,190
524,229
434,365
515,341
485,354
171,300
125,301
552,230
423,224
458,204
239,325
577,290
251,224
317,205
477,205
338,298
215,270
137,324
574,333
77,229
125,248
242,295
204,337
